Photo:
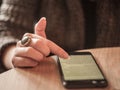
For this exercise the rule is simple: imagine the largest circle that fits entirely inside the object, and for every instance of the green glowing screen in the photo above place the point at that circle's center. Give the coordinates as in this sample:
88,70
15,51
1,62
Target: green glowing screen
80,67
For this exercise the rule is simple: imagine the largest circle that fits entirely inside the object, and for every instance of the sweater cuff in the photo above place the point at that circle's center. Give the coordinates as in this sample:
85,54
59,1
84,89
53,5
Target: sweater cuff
2,49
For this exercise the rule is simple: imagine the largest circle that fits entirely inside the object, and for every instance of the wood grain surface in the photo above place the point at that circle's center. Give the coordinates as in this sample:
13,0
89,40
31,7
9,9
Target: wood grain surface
46,75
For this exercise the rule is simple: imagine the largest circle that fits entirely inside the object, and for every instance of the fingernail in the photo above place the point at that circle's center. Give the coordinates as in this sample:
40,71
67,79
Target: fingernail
44,18
41,20
68,58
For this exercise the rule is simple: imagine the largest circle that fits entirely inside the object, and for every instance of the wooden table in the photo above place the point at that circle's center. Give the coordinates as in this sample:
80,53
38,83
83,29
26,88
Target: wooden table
46,75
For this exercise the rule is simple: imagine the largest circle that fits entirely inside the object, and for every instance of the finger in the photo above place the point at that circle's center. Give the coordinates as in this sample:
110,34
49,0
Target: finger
32,35
40,45
28,52
57,50
40,27
24,62
18,44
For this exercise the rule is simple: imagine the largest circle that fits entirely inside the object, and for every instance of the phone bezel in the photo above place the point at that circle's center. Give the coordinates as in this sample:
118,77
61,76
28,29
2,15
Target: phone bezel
82,83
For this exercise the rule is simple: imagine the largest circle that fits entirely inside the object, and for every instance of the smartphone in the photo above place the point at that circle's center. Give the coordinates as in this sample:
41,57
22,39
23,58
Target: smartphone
81,71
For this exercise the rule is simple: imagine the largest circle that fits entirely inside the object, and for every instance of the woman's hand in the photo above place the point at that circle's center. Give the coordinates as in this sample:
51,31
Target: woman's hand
38,48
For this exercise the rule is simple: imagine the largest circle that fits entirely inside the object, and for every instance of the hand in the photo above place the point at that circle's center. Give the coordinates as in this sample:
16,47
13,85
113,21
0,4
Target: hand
38,49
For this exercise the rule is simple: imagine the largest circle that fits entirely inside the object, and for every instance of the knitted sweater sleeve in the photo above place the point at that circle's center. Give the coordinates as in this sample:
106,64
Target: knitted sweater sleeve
16,18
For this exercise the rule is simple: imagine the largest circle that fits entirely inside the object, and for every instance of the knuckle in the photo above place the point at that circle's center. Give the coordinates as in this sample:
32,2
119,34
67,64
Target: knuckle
14,61
18,43
60,51
38,42
40,57
16,51
47,52
28,50
27,34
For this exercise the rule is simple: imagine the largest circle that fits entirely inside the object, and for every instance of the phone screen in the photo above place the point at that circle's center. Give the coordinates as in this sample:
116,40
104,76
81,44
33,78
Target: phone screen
80,67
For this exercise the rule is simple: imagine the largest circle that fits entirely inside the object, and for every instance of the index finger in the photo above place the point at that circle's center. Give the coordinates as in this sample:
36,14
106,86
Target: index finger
55,49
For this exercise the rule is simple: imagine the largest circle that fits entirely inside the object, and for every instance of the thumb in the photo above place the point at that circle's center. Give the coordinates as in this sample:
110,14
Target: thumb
40,26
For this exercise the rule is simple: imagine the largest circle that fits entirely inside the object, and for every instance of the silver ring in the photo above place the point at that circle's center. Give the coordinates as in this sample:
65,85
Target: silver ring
25,40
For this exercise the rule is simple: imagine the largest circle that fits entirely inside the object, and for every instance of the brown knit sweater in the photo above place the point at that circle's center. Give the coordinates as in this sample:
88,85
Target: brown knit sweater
72,24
